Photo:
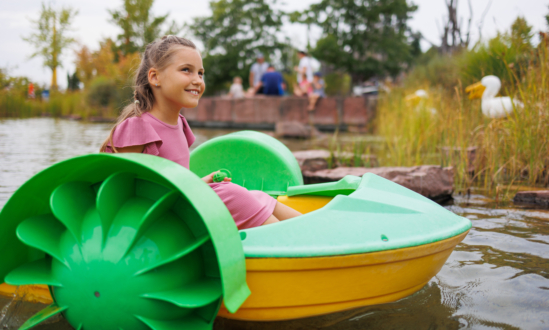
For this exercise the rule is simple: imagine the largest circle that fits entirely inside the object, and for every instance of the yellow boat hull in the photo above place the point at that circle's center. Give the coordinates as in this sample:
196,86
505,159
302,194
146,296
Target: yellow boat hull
290,288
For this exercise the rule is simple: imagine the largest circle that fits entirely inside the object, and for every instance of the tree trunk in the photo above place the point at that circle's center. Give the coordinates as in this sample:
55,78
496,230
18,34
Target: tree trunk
53,79
53,86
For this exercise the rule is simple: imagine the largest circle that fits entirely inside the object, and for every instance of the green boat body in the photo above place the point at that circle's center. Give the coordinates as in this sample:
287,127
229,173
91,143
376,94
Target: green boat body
367,214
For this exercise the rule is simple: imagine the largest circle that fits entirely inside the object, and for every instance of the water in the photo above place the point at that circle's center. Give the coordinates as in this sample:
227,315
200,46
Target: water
497,278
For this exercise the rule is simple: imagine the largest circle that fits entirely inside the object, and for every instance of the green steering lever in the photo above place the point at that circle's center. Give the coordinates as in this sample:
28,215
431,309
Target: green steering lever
220,175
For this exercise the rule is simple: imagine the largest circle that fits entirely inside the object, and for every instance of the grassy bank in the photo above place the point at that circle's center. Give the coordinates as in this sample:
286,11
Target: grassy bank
447,129
74,104
446,126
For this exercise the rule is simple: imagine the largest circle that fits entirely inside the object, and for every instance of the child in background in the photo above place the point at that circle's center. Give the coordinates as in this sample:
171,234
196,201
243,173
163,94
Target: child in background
236,91
170,77
318,90
304,88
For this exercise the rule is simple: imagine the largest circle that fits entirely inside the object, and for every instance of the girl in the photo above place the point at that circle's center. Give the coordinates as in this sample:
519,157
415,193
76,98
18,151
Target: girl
171,77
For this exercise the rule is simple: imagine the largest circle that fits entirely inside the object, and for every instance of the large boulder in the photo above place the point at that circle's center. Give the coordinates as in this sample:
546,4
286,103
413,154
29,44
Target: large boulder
312,160
295,129
431,181
539,197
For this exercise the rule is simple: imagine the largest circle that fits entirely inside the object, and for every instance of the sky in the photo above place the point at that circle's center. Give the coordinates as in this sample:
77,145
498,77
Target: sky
92,25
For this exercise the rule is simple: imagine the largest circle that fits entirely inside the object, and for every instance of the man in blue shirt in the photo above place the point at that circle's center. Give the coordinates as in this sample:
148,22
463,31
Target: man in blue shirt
272,82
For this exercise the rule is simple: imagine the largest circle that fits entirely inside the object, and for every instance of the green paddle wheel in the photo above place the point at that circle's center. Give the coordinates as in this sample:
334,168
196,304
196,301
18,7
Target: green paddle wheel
126,241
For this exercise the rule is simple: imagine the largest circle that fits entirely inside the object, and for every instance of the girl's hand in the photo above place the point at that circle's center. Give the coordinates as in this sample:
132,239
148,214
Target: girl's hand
209,178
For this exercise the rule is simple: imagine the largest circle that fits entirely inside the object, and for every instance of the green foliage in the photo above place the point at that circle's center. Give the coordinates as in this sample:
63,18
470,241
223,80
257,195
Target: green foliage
17,105
4,78
337,84
73,83
139,26
233,35
50,38
363,38
440,128
13,85
102,92
504,56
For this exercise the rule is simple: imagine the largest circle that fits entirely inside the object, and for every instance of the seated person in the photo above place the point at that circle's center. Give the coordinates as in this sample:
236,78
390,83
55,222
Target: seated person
272,82
318,90
236,91
304,88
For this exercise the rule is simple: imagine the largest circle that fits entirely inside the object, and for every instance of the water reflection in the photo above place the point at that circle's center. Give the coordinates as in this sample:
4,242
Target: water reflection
497,278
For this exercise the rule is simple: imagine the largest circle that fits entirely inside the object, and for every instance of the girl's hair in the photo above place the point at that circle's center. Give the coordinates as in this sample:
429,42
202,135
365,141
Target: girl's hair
157,55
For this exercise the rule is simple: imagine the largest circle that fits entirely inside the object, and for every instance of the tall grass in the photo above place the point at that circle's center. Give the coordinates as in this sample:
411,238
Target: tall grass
440,128
59,105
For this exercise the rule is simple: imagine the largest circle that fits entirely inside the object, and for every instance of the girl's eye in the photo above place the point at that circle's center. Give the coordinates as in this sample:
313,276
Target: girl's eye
201,74
185,70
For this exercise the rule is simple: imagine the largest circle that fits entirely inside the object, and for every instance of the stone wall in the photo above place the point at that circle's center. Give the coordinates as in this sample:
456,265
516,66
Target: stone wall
264,112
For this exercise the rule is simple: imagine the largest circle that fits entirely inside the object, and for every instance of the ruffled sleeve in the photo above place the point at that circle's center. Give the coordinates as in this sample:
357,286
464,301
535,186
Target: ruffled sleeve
187,131
136,132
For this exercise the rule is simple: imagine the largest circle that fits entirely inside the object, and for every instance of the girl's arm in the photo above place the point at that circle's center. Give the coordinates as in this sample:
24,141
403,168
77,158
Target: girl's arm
135,149
139,149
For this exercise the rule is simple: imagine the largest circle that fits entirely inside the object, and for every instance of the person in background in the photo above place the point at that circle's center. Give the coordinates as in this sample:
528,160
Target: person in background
272,82
304,87
305,67
257,71
236,91
31,91
318,90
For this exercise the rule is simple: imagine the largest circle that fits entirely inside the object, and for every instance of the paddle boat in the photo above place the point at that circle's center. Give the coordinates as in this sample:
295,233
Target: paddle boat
133,241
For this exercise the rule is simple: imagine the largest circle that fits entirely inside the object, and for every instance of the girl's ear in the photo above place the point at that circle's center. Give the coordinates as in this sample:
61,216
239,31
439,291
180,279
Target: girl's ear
153,77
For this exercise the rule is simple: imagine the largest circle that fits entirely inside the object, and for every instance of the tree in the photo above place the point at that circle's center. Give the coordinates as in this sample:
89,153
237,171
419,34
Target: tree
73,83
452,38
139,26
521,35
547,19
50,38
232,36
365,38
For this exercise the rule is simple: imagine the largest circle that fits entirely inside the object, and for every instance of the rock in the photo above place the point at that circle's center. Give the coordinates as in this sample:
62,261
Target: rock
430,181
294,129
312,160
540,197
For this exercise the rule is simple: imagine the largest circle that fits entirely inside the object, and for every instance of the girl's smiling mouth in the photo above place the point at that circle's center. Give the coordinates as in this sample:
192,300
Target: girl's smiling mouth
193,91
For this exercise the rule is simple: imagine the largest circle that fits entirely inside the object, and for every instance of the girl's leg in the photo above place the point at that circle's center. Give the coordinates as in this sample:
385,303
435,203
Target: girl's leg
312,101
283,212
271,219
313,98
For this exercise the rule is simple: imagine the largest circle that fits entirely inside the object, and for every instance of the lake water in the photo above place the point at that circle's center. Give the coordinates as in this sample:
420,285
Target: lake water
497,278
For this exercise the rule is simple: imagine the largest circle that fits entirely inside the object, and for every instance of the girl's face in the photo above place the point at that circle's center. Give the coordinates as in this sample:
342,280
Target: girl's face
182,81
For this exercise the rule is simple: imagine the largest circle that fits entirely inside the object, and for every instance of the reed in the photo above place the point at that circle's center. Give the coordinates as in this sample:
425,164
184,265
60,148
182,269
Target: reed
439,129
59,105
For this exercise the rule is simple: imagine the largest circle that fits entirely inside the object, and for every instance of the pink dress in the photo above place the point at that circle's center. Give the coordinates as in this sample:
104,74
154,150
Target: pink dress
248,208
